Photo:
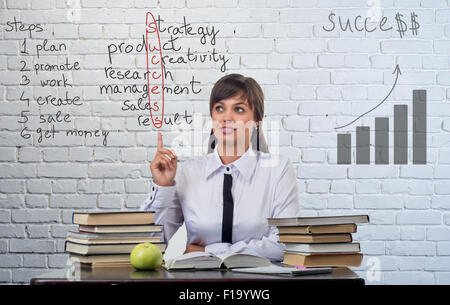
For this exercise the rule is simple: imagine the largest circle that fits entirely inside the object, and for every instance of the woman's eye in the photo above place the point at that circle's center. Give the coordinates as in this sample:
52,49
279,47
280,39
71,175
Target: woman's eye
218,108
239,109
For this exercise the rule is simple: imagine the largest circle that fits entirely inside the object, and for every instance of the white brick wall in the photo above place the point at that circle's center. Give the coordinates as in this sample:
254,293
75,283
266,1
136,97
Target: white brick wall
314,80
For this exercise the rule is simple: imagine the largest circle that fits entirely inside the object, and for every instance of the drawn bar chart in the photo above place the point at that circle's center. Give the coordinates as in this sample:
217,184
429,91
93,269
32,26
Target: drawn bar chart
381,138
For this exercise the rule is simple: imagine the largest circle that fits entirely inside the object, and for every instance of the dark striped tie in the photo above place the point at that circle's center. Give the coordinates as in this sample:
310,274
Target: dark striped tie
227,219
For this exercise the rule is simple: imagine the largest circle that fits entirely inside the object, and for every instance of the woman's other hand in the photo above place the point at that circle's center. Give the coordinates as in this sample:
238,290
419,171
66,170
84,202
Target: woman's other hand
163,165
194,248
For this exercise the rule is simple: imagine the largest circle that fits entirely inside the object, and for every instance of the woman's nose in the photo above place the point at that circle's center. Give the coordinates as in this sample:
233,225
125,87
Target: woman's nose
227,115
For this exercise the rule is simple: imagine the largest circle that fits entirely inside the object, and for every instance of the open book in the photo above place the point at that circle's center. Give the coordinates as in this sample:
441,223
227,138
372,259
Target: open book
205,260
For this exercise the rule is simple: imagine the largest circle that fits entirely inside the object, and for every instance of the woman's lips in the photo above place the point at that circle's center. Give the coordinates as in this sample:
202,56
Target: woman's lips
227,130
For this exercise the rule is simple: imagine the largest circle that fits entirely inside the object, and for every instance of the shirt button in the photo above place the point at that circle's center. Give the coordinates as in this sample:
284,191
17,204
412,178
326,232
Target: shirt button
228,169
151,197
153,188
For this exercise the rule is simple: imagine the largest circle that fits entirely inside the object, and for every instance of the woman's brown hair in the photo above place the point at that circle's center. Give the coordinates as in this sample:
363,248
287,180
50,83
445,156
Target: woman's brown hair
247,88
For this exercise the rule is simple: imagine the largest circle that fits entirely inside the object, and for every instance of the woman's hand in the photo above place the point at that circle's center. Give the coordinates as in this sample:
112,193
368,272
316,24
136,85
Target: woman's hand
163,165
194,248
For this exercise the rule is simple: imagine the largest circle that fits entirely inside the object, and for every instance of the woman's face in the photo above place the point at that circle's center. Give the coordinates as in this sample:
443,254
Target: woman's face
233,122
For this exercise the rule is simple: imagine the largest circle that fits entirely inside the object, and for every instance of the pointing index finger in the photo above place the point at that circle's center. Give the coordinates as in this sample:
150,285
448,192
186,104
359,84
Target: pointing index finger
160,140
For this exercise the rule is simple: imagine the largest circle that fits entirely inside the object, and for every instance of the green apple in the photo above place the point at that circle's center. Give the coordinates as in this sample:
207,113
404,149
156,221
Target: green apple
146,256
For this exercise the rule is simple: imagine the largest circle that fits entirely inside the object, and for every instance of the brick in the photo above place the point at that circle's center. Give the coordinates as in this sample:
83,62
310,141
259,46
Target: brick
250,46
34,216
8,154
411,263
5,276
10,260
372,247
91,31
39,186
34,260
38,231
331,61
342,187
367,187
30,154
12,186
66,31
419,217
443,248
442,278
295,123
442,187
36,201
64,186
110,201
378,202
313,140
300,45
313,156
60,231
12,201
317,186
12,231
408,47
30,245
81,154
90,186
391,186
24,275
54,170
420,188
440,202
17,171
378,232
73,201
5,216
417,202
438,233
362,171
114,186
340,202
312,202
106,154
342,77
134,201
410,248
58,260
437,264
55,154
321,172
136,186
134,155
412,233
42,5
304,77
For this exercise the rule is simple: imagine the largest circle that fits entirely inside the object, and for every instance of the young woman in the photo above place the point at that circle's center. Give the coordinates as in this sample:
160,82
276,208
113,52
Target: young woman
226,196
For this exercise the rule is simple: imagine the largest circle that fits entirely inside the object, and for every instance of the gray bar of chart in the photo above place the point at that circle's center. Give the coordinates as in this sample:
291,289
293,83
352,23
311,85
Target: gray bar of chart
381,140
419,126
400,134
344,148
362,145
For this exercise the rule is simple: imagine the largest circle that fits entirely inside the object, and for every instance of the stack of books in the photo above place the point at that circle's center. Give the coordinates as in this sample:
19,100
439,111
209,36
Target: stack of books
324,241
107,238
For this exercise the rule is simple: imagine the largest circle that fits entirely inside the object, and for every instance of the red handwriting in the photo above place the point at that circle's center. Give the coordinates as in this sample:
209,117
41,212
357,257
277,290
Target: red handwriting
154,64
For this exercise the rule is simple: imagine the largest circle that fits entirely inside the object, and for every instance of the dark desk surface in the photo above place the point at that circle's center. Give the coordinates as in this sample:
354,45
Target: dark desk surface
129,275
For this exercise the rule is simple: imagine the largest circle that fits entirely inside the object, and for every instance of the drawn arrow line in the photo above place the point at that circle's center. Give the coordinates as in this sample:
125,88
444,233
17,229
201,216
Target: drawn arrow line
397,71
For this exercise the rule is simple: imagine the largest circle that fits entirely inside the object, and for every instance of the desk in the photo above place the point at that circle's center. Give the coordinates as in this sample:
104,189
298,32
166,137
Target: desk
128,275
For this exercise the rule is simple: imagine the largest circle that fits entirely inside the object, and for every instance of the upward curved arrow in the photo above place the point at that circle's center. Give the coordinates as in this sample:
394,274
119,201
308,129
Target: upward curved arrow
397,72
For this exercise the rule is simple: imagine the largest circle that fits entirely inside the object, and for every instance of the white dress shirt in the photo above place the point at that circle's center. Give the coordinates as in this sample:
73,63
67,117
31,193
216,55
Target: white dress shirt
264,186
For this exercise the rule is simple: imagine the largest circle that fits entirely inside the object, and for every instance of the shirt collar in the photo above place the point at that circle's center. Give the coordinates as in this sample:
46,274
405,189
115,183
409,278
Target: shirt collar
246,164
